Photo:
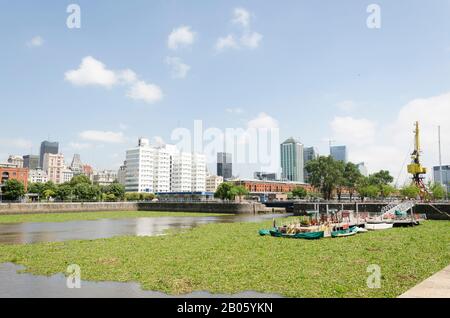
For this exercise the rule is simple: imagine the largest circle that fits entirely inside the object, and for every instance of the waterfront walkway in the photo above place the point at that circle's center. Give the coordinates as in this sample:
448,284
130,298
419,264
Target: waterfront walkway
436,286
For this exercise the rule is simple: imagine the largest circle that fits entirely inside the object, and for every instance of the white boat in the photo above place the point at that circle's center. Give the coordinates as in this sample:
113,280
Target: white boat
378,226
361,230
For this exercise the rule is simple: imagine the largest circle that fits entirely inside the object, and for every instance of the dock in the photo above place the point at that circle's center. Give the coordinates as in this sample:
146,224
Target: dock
436,286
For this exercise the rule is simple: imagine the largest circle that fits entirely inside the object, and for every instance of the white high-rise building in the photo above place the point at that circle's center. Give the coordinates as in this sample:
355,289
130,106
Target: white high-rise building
162,169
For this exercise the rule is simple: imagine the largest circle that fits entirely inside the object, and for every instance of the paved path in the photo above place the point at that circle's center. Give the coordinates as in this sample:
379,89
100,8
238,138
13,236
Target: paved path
437,286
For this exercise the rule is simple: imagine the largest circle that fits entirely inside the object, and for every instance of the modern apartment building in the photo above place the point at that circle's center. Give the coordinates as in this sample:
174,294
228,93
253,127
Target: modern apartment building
292,160
363,169
121,173
47,147
163,169
339,153
53,165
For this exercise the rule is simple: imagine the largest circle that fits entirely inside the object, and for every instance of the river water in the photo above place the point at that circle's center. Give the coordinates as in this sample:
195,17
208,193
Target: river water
27,233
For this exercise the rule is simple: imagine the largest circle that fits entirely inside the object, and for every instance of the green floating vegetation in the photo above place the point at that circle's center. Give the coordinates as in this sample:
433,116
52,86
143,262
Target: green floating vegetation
86,216
230,258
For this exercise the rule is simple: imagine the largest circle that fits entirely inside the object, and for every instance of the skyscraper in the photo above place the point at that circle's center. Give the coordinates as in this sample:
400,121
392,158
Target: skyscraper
224,165
31,162
47,147
292,160
339,153
445,176
309,154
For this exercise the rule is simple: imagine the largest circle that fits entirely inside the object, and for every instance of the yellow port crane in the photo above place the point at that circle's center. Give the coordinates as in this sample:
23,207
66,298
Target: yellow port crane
416,168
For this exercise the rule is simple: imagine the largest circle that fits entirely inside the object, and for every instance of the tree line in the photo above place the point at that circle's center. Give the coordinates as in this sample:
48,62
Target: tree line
79,189
332,177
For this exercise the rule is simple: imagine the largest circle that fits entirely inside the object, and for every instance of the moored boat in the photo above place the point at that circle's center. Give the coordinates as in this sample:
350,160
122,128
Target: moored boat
378,226
304,235
344,233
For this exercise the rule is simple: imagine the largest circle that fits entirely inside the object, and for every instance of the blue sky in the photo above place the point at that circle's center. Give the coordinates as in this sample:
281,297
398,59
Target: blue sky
314,69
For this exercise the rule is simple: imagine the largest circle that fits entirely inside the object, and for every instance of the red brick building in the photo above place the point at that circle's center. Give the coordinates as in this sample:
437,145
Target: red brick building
10,172
259,186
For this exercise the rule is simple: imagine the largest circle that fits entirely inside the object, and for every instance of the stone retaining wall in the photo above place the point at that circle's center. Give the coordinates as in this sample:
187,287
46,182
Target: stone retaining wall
205,207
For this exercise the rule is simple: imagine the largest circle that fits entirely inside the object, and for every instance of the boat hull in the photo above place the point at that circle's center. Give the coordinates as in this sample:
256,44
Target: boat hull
305,236
378,226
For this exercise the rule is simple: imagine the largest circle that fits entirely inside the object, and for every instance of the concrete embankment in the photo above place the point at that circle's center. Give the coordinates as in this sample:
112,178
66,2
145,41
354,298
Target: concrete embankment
433,211
205,207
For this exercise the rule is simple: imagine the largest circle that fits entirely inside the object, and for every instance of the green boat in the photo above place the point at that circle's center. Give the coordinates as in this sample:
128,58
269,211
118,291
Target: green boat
264,232
344,233
306,235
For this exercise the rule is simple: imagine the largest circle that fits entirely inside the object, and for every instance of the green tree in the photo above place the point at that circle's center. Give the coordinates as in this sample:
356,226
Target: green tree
380,177
86,192
386,190
49,185
48,193
351,177
324,174
225,191
299,193
80,179
63,192
13,190
341,183
116,189
410,191
437,191
238,191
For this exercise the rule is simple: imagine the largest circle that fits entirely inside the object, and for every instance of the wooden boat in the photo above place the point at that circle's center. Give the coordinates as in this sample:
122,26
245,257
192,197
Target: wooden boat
378,226
344,233
305,235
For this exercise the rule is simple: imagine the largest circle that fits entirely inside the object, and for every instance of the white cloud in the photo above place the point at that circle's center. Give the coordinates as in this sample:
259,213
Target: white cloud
251,39
102,136
79,145
248,39
127,76
346,105
178,68
227,42
19,143
361,131
35,41
94,72
241,16
148,93
235,110
181,37
91,72
263,121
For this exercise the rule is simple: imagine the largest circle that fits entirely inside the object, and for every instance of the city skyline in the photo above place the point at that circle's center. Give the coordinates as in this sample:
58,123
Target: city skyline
219,64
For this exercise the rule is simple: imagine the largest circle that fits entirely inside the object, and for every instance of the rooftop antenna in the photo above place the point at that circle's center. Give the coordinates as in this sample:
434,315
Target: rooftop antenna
330,143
